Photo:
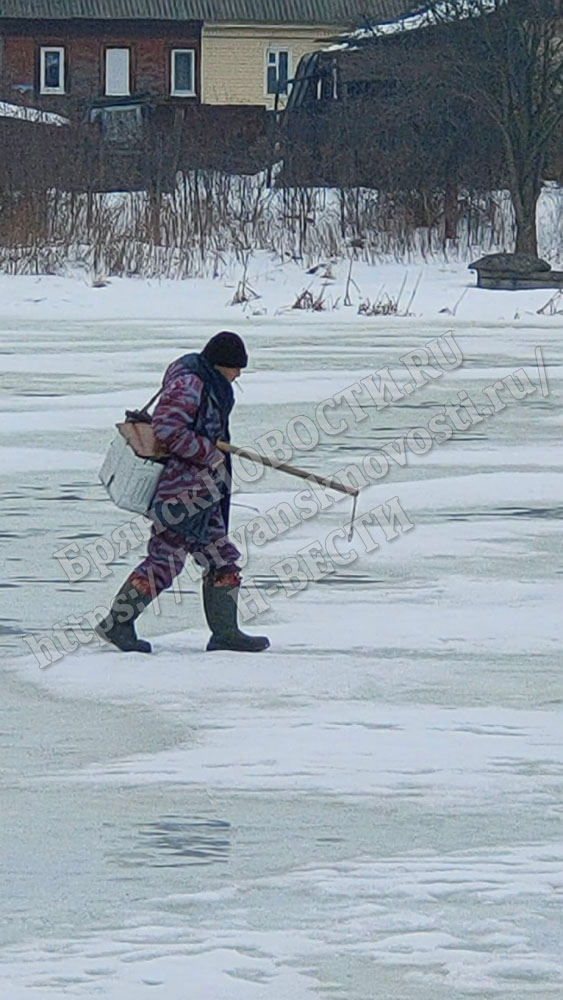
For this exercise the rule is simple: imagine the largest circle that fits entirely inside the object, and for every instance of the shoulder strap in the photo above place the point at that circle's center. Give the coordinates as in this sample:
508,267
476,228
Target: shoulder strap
142,416
147,406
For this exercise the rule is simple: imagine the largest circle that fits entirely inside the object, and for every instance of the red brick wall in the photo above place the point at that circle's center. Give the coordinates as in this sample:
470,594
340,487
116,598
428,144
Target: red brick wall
85,46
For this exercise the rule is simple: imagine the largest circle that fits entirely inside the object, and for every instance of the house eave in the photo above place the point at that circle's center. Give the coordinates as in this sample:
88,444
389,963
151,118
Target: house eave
261,26
310,12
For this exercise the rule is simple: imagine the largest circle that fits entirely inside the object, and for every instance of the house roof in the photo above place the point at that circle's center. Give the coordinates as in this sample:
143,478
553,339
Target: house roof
277,11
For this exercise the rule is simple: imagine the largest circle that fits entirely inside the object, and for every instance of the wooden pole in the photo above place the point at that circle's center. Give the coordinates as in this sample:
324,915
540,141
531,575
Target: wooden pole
331,484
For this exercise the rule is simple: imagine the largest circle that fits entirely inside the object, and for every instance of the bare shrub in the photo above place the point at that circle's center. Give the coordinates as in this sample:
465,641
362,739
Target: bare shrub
384,306
554,306
306,300
210,222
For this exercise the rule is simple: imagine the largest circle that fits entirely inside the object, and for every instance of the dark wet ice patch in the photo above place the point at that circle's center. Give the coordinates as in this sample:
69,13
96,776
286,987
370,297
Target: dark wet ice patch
544,513
175,842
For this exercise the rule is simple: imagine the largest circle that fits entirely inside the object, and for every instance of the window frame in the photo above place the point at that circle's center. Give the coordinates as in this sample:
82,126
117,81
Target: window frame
60,50
174,92
118,48
275,50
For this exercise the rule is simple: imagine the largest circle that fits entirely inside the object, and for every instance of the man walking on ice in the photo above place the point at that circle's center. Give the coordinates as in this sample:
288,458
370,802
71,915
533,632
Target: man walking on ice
191,416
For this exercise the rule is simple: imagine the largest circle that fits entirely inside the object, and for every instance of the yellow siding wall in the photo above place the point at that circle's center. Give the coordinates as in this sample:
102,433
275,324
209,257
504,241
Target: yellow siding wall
234,58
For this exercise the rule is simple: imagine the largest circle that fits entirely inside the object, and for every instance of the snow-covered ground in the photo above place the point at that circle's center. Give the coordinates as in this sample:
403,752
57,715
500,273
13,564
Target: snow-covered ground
372,808
8,110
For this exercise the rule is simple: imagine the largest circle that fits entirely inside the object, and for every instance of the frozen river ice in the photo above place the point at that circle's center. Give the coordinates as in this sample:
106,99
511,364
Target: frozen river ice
373,808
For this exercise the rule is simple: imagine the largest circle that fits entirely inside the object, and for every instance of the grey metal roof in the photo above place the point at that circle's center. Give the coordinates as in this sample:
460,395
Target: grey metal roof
276,11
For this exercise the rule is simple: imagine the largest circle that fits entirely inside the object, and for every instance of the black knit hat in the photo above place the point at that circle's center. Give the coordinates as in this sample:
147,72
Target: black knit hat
226,349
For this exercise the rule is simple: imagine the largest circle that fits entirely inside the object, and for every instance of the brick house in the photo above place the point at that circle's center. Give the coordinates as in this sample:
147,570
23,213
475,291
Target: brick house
64,54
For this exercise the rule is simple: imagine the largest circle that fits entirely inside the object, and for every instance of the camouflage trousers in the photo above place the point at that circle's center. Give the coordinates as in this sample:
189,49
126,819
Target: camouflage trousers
168,552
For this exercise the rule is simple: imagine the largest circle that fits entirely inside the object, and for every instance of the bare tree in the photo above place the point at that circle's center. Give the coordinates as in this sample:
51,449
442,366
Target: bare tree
508,60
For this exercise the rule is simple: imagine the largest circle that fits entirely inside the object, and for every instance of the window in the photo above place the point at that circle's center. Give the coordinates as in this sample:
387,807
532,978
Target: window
182,73
52,71
117,73
277,71
122,124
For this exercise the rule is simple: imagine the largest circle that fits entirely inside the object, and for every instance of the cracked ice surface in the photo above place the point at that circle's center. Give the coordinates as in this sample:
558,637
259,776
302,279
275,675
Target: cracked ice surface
374,807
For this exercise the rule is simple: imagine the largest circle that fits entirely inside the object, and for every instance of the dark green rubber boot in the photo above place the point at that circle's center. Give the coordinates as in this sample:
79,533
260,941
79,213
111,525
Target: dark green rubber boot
220,606
119,626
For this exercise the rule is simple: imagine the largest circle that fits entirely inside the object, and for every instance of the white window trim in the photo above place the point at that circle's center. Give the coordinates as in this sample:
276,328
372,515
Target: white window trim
277,48
174,92
117,48
52,90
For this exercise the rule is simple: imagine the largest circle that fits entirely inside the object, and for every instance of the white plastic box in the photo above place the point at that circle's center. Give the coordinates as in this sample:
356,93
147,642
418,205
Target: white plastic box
129,480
